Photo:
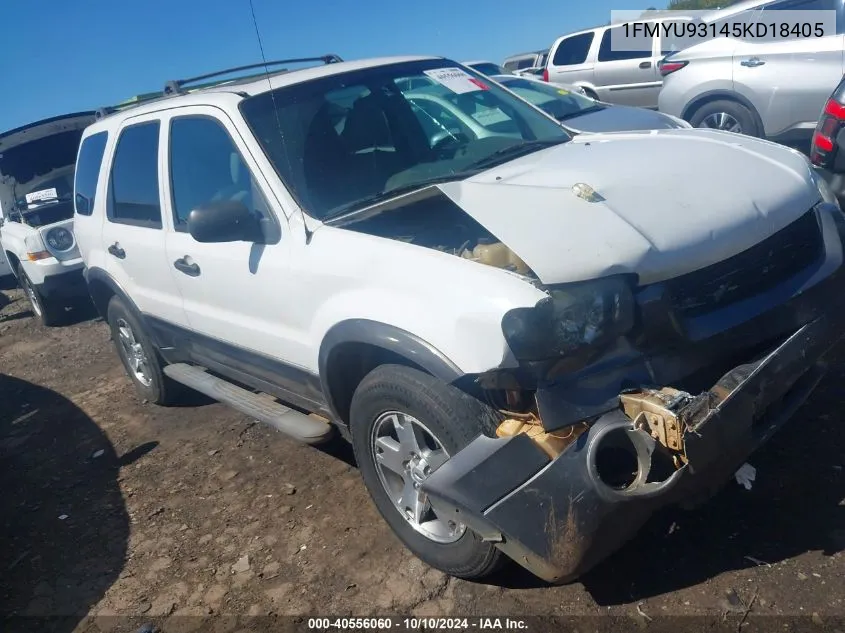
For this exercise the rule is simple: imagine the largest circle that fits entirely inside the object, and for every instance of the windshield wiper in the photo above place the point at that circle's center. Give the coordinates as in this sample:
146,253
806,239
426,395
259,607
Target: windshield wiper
381,196
572,115
513,151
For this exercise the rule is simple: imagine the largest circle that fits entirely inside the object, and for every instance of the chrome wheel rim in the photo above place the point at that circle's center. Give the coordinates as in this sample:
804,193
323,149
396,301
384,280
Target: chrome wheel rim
722,121
134,354
406,453
33,298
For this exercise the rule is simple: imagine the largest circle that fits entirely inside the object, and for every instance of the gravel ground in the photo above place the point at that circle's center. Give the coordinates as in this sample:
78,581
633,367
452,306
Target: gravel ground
116,507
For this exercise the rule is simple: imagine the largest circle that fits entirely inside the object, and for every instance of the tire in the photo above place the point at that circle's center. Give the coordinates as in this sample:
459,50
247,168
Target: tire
127,333
48,312
454,419
724,112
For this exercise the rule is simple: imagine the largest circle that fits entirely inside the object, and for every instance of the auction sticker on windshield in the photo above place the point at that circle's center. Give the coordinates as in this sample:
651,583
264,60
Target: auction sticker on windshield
44,194
456,80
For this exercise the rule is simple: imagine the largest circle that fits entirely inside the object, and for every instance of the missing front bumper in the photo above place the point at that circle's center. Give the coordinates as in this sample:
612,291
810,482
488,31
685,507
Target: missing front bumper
560,516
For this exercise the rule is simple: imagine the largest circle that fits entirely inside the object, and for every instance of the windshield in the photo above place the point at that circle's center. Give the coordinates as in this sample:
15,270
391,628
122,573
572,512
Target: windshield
45,201
58,187
489,69
47,213
556,101
346,140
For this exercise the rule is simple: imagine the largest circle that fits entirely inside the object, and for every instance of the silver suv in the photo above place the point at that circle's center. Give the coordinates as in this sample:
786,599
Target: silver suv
772,89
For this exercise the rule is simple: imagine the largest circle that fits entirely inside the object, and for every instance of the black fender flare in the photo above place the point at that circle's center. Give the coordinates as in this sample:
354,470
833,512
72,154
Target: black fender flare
99,275
389,338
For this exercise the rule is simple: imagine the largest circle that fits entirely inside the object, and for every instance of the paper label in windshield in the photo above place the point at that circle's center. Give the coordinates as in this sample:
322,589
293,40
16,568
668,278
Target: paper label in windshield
563,92
490,116
456,80
44,194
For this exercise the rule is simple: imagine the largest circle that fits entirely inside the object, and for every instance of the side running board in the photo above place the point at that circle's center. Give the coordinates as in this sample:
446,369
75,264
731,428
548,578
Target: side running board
297,425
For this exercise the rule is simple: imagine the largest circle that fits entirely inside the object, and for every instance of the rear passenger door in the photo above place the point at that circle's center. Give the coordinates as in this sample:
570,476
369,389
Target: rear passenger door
133,231
625,76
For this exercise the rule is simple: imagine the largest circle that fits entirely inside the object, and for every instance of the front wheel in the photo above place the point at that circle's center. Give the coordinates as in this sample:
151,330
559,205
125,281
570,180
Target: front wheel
405,424
47,311
139,356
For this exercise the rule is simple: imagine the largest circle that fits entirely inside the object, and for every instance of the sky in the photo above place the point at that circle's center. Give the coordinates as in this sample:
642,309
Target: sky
62,56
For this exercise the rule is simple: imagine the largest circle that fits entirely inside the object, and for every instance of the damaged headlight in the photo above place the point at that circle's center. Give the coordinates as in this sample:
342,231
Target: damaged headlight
573,317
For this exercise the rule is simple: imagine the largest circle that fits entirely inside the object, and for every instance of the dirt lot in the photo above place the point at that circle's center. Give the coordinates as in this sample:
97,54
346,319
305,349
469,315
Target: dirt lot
112,506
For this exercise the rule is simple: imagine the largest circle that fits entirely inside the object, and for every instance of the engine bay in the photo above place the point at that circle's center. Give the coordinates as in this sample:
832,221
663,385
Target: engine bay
439,224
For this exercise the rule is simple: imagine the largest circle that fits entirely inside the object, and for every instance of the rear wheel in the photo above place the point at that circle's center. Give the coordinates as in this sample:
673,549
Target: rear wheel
47,311
728,116
405,425
591,94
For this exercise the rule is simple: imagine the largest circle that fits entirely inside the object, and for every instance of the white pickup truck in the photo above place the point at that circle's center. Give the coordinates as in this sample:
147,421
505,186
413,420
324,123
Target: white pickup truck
36,212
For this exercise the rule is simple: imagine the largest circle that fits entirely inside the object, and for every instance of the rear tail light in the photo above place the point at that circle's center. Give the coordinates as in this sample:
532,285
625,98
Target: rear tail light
546,74
823,149
667,68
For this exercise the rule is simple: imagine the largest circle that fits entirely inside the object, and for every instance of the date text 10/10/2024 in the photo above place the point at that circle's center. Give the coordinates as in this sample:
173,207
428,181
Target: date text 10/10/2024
413,624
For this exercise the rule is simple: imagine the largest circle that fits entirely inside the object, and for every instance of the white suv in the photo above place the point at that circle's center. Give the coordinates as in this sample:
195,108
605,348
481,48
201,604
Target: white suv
533,341
36,212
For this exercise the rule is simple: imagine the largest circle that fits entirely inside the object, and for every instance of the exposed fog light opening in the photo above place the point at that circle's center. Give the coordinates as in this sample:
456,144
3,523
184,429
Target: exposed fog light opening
662,466
617,461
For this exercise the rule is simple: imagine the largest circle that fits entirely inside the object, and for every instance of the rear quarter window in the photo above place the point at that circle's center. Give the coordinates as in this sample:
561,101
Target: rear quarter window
573,50
88,166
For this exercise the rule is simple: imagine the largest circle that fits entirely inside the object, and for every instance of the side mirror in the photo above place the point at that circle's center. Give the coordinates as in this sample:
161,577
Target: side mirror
224,221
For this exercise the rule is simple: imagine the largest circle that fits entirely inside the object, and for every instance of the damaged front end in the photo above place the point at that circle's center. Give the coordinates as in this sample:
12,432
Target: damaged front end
651,402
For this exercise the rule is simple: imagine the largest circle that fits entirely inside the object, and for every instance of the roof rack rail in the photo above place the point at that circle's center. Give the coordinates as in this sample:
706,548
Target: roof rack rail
174,86
137,100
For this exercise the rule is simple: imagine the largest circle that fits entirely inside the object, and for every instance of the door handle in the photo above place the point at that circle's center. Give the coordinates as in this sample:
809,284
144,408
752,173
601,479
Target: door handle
118,252
189,268
645,64
752,63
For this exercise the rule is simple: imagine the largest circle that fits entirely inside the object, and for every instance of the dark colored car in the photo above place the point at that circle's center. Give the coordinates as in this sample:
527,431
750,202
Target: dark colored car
581,114
828,139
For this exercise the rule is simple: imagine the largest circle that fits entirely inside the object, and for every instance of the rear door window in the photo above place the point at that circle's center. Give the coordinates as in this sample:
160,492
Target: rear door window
810,5
573,50
133,185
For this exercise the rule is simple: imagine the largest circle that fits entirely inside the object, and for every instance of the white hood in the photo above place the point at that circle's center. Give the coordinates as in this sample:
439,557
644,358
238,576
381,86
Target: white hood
674,201
38,152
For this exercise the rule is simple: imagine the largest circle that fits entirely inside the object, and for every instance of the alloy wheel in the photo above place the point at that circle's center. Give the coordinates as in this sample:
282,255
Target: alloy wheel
406,453
722,121
32,296
134,353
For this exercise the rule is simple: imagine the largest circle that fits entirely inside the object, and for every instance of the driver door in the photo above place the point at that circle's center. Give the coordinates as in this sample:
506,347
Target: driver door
237,295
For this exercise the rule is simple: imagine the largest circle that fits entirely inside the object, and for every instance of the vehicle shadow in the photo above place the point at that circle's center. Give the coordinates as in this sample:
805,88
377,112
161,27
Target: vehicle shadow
65,527
792,508
79,311
8,282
